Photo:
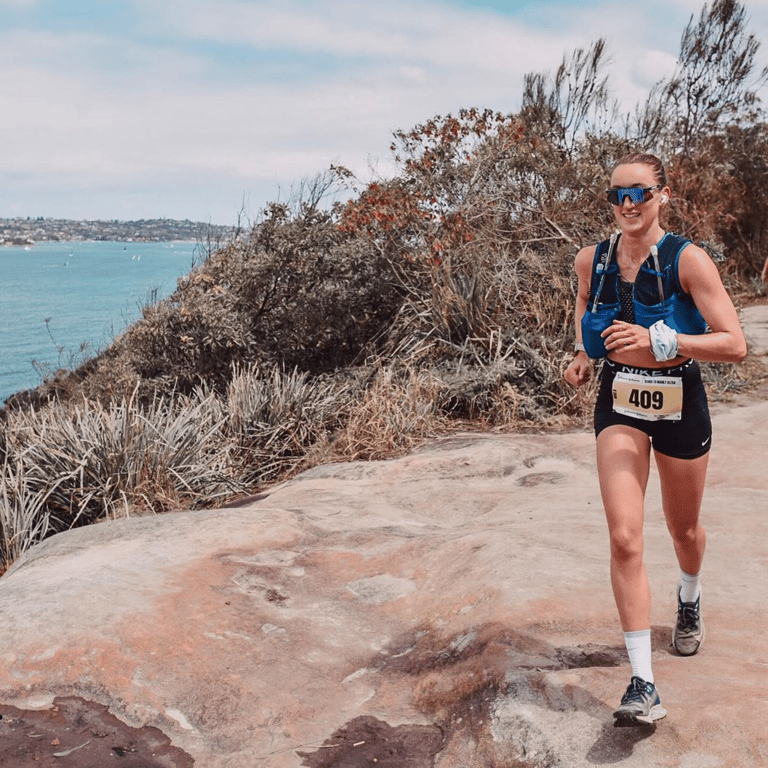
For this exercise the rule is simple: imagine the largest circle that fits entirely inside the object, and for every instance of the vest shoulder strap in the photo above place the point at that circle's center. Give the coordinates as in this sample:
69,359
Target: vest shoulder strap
601,257
670,248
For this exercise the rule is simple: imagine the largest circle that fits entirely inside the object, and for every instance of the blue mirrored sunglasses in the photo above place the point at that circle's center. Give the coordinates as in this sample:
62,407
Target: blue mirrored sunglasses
636,195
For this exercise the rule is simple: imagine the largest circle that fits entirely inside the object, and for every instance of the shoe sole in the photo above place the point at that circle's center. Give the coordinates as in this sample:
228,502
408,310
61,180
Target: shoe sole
623,720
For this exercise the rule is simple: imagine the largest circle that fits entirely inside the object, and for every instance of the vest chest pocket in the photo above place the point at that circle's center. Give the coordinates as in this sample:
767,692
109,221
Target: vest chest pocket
651,399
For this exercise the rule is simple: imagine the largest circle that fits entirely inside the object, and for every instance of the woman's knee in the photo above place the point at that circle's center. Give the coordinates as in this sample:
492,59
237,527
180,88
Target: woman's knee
626,545
685,534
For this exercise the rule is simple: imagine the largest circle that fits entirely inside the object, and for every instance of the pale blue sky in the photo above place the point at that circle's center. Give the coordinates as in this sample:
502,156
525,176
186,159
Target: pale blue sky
124,109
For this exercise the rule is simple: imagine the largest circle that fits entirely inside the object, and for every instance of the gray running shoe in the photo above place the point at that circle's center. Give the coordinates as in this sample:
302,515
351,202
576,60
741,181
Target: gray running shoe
689,629
640,705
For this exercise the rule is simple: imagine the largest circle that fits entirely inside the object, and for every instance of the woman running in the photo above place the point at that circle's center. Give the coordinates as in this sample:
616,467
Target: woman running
651,303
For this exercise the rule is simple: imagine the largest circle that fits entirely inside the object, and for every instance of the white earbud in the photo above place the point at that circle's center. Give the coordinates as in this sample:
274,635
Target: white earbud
663,198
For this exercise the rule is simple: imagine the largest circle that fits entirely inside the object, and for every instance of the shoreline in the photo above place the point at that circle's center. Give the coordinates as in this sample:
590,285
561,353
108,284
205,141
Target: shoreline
23,232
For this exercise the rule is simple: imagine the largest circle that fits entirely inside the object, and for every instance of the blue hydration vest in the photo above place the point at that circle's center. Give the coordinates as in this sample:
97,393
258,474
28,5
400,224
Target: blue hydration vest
657,293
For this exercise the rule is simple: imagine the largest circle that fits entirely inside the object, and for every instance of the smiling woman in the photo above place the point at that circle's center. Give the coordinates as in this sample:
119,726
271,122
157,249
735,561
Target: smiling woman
649,302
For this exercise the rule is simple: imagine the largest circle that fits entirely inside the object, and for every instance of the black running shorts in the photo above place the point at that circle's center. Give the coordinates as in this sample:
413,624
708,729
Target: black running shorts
688,438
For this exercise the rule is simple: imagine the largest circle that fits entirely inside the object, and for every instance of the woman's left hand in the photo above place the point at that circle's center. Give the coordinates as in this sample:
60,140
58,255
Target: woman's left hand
626,337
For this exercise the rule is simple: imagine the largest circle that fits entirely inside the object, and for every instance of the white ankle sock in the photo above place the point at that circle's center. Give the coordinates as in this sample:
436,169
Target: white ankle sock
690,587
639,649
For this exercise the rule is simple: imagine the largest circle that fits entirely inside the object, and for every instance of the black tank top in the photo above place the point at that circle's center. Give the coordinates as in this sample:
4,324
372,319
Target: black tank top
627,309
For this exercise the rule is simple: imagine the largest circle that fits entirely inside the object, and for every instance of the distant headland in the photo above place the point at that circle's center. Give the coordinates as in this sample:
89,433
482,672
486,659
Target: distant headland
28,231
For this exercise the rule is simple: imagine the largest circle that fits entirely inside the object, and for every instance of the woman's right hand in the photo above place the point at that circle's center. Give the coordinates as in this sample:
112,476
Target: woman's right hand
579,371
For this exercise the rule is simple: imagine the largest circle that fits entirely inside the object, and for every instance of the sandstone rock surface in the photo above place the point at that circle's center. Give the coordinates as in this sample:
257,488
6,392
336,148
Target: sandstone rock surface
755,321
451,608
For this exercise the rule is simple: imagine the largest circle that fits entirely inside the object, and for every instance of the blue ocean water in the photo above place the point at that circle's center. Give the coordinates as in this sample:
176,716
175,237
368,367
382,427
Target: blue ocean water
60,303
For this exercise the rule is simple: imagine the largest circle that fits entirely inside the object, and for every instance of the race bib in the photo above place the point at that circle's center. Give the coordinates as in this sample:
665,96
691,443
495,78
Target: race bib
647,398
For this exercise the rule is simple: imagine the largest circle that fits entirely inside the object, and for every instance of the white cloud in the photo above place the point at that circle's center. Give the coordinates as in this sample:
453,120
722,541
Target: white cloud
308,84
419,32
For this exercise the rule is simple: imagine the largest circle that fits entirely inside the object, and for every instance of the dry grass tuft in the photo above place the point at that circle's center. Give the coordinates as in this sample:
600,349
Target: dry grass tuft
393,413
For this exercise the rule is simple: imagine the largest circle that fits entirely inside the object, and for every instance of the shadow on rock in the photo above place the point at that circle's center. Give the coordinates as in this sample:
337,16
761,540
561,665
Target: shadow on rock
616,745
368,741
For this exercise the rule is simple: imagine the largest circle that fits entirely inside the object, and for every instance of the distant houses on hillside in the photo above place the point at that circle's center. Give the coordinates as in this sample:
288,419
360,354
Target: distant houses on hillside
33,230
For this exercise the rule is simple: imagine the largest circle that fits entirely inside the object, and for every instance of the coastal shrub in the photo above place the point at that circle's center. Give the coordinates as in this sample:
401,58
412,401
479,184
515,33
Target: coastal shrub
296,291
395,409
24,517
276,417
122,459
